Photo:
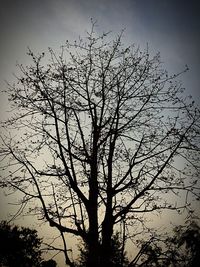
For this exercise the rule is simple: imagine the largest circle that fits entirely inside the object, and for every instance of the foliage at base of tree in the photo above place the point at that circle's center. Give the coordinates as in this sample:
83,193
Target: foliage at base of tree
21,247
49,263
118,257
180,250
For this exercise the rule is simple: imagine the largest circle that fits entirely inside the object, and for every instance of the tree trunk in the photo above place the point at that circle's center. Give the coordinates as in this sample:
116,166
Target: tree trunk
93,240
93,235
107,231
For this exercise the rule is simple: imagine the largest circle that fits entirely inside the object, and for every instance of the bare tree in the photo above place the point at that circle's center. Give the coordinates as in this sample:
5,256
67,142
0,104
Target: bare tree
99,135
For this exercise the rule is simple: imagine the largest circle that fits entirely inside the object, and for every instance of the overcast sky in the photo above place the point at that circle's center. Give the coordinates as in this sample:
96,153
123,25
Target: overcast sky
169,26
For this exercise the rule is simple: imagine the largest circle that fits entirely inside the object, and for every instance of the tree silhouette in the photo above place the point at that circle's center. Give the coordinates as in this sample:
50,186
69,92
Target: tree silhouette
96,138
19,246
182,249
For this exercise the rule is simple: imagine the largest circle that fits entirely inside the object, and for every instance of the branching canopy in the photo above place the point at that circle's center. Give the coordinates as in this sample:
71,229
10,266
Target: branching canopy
100,134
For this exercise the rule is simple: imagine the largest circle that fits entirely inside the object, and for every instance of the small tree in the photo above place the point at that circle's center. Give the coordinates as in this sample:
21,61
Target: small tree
182,249
19,246
103,130
188,243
